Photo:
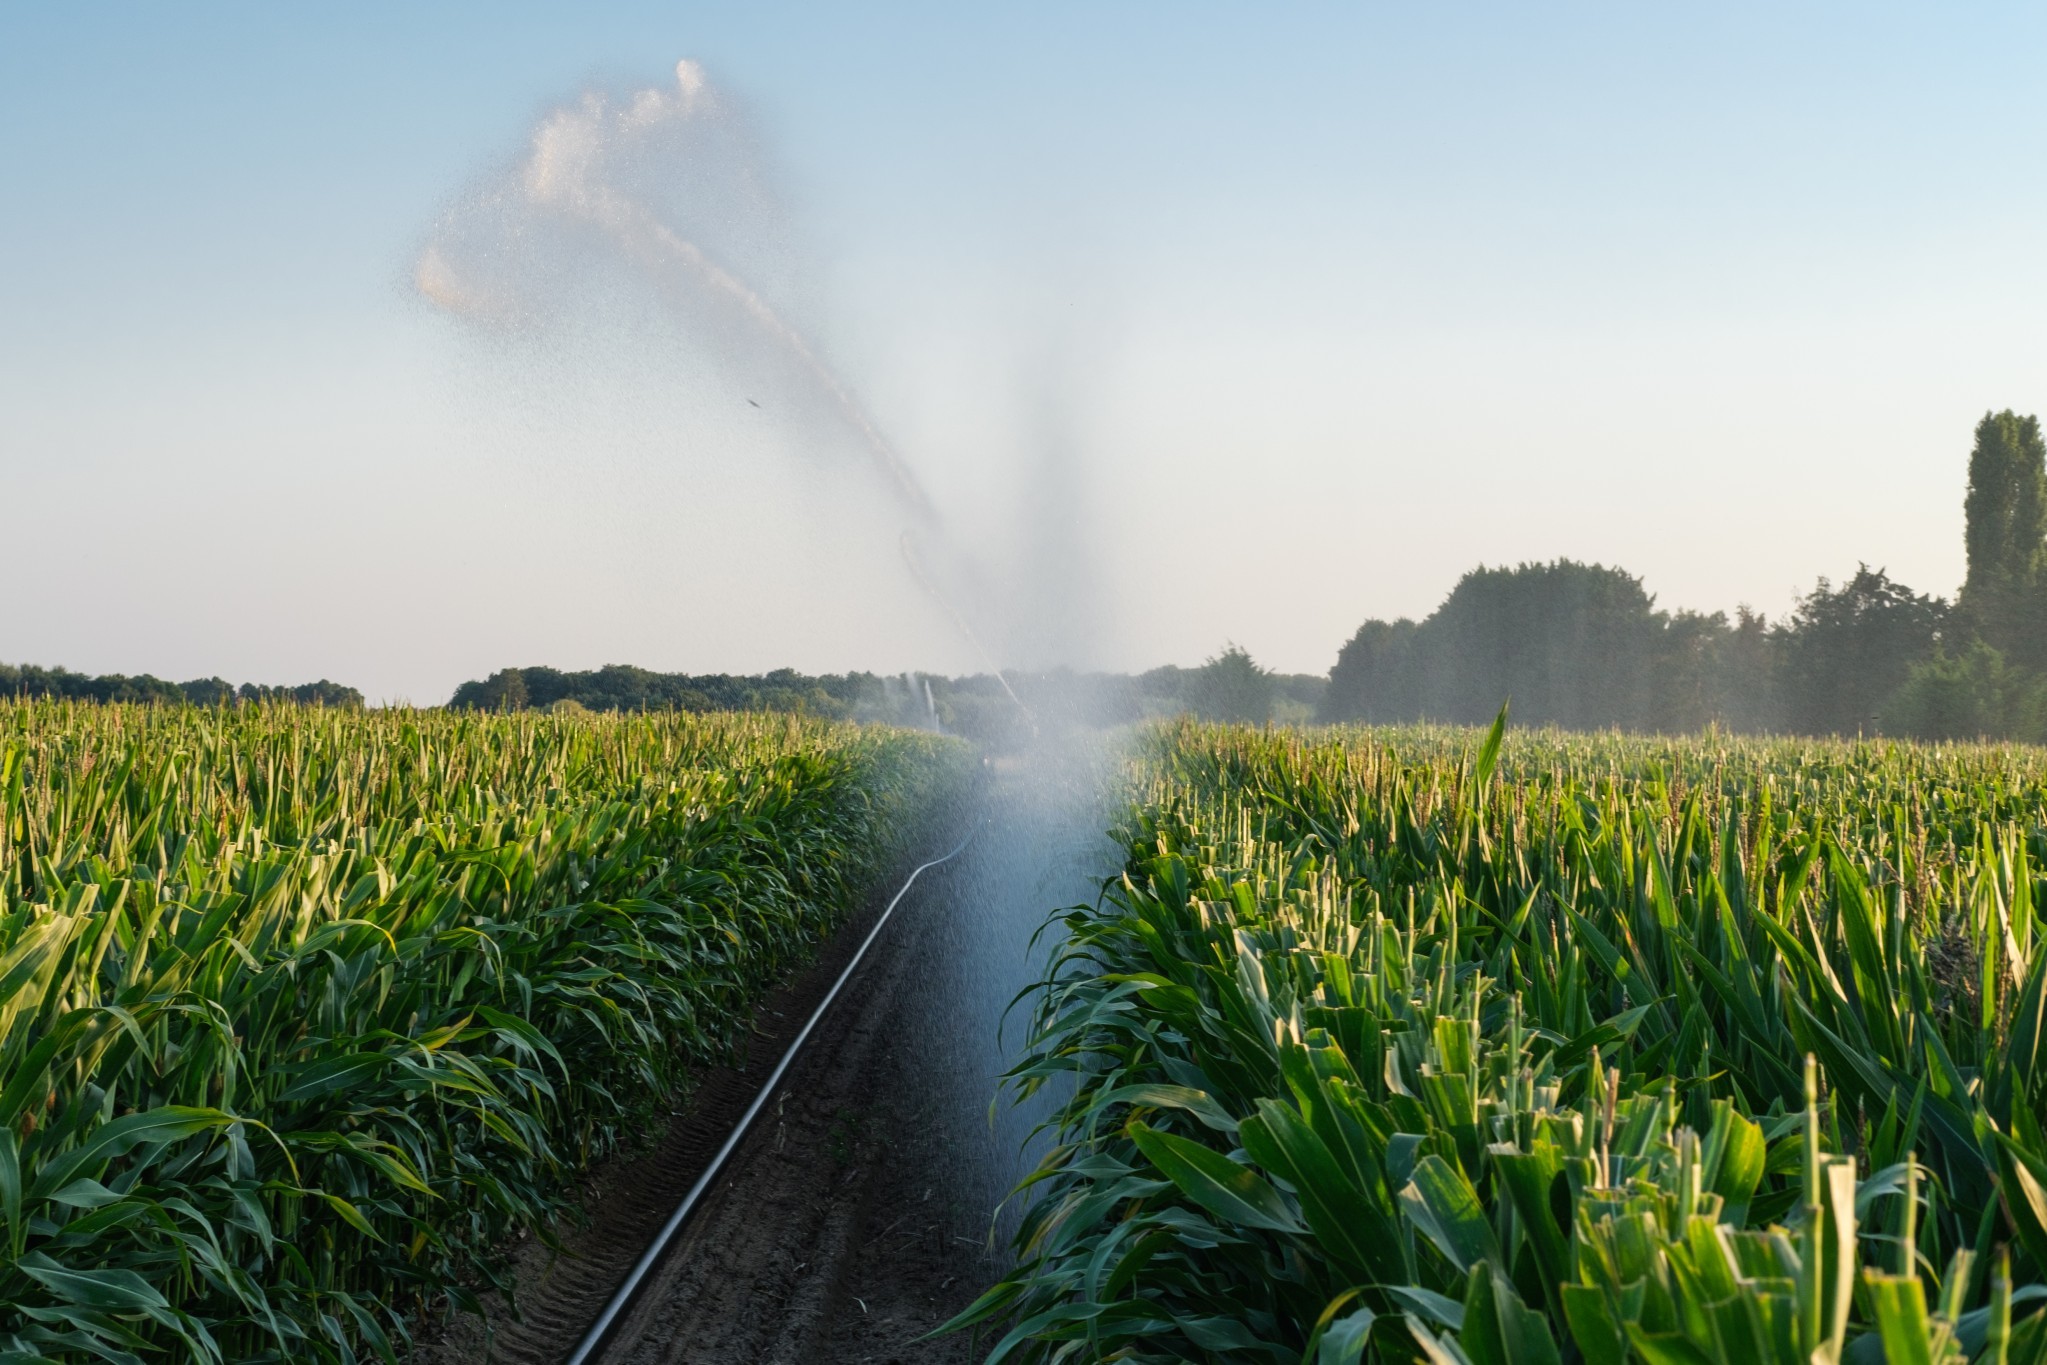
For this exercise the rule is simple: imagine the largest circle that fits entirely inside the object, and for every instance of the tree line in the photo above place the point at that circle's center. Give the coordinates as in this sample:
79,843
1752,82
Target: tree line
34,683
1584,646
999,712
620,687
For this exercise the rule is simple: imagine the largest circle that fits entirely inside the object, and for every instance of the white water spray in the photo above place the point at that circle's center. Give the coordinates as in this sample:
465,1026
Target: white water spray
660,186
569,172
606,165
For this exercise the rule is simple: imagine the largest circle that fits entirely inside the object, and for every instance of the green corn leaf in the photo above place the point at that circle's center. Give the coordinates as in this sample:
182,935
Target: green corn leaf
1595,1331
1350,1225
10,1191
1899,1305
1230,1191
1736,1155
120,1290
2025,1198
1529,1178
331,1075
1443,1350
1441,1203
1488,759
1343,1341
1439,1309
167,1123
1155,1095
1666,1348
1499,1329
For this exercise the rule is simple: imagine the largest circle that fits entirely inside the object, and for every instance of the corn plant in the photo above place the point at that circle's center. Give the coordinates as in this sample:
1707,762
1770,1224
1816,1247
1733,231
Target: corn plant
1390,1043
303,1012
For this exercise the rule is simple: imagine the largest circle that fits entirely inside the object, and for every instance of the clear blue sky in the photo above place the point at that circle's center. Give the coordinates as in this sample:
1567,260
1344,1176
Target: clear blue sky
1316,306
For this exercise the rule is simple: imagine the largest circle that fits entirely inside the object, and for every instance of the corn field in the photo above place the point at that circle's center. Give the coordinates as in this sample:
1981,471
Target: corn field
1486,1049
304,1012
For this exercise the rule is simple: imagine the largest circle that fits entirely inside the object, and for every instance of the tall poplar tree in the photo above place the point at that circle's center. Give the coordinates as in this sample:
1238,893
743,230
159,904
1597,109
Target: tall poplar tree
2005,597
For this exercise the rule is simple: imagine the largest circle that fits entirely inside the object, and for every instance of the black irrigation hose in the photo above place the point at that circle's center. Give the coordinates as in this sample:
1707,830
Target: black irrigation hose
600,1331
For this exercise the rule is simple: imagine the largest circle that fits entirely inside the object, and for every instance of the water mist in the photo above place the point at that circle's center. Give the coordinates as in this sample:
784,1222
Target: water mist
635,181
661,187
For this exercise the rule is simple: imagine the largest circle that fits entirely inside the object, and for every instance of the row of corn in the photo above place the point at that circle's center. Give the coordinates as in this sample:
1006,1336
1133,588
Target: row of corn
1433,1045
304,1013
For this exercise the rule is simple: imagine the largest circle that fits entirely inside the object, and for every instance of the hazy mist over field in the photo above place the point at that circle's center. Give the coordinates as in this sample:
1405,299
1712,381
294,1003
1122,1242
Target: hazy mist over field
1188,327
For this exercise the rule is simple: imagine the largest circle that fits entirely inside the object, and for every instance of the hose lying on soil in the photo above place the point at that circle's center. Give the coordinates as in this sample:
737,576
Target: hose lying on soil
594,1340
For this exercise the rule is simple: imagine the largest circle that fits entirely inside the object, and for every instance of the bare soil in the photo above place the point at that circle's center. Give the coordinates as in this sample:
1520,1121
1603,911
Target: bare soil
837,1234
839,1231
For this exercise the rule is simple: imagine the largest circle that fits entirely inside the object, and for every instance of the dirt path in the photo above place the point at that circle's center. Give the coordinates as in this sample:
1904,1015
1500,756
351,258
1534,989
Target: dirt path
839,1233
856,1216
